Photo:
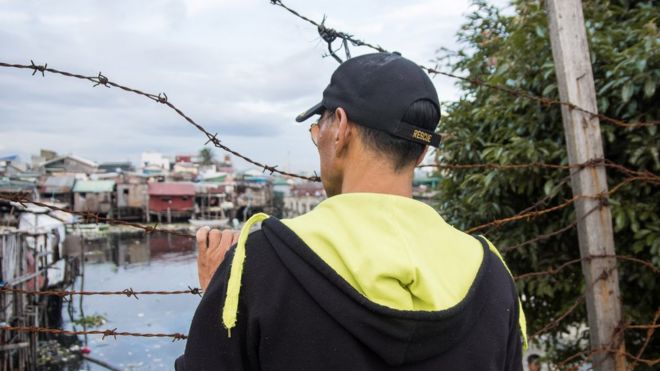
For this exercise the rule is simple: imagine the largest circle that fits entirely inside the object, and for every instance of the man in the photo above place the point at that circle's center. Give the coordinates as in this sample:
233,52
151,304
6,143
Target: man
370,279
534,362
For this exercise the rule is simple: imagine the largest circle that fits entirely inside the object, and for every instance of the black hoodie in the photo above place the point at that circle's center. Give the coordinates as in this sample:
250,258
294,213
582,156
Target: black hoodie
295,312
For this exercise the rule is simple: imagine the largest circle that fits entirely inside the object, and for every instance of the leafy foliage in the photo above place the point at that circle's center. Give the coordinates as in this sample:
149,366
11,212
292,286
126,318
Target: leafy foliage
206,156
486,125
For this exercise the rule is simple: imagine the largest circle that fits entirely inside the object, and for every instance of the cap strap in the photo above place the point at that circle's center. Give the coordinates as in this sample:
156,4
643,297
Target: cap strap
416,134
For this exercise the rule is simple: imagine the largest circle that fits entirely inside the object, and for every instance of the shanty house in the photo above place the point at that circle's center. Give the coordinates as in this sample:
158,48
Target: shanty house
69,164
132,196
94,196
172,200
58,189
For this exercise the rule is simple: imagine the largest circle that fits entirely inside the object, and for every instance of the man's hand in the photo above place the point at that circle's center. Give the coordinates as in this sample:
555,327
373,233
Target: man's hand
212,245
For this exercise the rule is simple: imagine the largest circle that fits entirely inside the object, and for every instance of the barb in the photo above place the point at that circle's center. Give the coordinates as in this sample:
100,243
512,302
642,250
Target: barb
126,292
478,82
105,333
339,34
100,79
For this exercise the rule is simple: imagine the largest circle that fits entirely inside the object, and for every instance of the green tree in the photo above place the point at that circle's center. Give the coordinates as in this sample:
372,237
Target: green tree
486,125
206,156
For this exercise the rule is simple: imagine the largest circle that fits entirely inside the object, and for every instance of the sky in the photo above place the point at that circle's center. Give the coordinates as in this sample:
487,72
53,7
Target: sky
243,69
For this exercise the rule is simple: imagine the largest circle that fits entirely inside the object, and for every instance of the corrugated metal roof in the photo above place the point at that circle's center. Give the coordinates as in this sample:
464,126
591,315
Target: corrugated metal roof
75,158
94,186
171,189
58,184
7,185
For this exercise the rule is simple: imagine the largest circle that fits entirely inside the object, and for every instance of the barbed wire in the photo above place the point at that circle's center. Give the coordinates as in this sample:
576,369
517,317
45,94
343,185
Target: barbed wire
649,334
329,35
590,353
162,98
109,332
24,199
126,292
549,235
554,270
602,197
540,165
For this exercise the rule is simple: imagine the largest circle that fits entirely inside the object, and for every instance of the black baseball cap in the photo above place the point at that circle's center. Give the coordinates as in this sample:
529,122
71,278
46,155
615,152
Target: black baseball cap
376,90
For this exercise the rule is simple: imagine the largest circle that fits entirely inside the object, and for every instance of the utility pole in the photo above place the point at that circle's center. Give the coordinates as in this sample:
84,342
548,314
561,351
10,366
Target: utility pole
570,51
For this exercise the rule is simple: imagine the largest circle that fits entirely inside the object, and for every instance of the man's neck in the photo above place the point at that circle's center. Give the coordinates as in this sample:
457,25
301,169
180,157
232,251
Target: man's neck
374,177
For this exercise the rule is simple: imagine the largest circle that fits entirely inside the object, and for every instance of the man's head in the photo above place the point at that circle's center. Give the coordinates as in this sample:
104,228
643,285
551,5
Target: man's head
534,362
378,108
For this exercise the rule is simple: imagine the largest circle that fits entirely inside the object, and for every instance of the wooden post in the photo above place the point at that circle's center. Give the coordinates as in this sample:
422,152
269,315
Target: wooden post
570,51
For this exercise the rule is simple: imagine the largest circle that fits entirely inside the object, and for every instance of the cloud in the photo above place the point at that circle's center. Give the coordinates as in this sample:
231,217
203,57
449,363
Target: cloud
241,69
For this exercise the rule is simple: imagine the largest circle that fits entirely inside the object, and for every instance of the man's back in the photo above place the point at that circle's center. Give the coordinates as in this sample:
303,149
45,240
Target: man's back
365,281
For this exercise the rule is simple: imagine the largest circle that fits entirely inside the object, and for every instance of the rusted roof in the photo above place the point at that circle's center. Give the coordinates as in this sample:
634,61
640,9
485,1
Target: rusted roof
171,189
58,184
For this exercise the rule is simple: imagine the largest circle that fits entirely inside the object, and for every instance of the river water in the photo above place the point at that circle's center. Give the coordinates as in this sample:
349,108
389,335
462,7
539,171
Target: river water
141,262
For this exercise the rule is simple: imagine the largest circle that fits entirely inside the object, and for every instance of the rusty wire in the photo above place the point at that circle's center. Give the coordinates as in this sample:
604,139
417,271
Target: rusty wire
548,235
554,270
649,334
540,165
162,98
622,327
478,82
24,198
129,292
556,321
588,354
533,214
109,332
330,35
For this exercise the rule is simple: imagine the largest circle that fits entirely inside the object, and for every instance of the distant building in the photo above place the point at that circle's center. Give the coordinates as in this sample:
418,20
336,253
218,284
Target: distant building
171,200
58,189
10,166
282,186
303,198
154,163
69,164
211,201
95,196
226,165
425,187
183,158
132,196
8,214
184,171
116,167
43,156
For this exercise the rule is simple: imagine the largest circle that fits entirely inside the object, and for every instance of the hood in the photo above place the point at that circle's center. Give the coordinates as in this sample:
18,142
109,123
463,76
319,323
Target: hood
396,251
386,268
389,270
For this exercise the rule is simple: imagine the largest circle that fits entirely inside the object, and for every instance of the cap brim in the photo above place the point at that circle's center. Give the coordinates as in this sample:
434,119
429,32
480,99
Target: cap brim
315,110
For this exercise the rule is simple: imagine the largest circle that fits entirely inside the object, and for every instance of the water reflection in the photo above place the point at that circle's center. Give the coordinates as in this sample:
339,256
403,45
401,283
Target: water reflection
141,262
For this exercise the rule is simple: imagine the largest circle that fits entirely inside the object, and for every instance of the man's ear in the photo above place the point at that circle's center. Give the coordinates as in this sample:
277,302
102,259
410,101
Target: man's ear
422,155
344,131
